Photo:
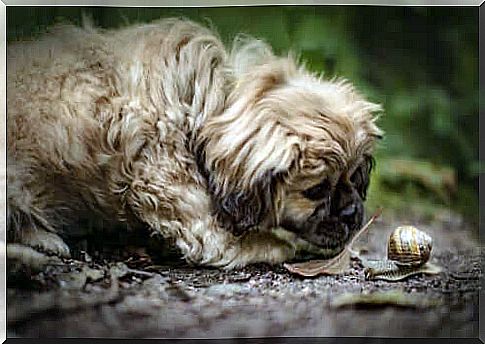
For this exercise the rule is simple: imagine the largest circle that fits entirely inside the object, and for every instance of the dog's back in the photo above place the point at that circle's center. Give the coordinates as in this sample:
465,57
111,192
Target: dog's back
83,103
53,86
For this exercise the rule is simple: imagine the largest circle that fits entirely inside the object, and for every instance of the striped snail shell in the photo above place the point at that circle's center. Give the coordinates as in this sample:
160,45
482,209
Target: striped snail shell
408,246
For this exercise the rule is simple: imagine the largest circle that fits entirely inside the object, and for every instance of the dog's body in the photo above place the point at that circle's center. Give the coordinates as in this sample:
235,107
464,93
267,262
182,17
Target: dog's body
157,125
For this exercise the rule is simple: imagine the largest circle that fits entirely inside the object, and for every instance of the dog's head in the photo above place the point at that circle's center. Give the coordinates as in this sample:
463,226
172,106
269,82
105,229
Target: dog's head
290,150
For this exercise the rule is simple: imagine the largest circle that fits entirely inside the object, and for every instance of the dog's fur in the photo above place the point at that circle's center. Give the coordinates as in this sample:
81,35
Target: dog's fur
159,125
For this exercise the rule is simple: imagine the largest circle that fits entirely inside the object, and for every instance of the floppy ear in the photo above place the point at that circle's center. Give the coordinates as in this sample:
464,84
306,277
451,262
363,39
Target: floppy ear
241,210
246,152
244,198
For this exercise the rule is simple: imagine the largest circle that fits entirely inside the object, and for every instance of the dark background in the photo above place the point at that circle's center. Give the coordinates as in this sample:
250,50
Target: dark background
420,63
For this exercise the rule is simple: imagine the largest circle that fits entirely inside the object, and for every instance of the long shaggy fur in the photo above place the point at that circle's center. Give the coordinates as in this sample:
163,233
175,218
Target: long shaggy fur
158,125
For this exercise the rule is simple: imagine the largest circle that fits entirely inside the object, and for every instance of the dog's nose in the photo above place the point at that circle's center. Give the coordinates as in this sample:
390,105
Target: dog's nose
349,210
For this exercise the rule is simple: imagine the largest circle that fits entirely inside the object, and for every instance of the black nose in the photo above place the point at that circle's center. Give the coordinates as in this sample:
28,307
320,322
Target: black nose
348,211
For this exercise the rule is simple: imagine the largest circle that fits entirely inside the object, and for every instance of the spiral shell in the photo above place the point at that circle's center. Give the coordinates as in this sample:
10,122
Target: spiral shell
408,246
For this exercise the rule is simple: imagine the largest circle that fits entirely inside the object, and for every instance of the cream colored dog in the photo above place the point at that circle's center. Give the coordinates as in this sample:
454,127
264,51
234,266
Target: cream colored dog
158,125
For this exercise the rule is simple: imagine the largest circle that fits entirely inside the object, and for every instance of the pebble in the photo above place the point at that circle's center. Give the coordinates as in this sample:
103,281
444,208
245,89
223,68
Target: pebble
227,290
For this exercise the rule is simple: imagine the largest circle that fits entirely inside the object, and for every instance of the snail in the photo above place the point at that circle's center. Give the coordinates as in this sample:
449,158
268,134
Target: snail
408,253
408,246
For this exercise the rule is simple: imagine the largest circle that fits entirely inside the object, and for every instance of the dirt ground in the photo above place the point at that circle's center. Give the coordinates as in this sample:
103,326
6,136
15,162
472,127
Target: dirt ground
128,292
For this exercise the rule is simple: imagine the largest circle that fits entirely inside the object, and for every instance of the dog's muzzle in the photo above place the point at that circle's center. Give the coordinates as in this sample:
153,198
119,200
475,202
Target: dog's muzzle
333,223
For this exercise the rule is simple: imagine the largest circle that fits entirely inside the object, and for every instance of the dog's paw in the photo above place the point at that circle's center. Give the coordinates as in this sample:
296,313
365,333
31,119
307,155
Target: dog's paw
21,257
262,247
281,253
46,242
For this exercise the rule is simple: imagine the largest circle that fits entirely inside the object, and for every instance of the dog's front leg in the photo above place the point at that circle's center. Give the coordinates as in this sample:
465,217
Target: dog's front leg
44,241
266,247
203,242
255,247
183,214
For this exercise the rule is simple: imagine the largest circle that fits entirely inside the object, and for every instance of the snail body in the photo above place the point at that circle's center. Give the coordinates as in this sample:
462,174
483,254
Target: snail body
389,270
408,252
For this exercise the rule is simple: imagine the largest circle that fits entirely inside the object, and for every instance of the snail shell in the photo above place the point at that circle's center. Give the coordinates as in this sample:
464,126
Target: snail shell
408,246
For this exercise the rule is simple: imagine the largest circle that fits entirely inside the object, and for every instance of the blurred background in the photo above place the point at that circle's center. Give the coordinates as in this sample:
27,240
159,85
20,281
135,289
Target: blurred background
420,63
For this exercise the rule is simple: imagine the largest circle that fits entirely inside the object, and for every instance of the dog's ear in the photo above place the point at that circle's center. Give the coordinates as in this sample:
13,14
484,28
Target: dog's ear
240,211
241,201
247,152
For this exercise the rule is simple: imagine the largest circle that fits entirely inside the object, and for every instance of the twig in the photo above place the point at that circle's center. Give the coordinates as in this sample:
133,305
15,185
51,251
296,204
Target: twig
140,272
364,228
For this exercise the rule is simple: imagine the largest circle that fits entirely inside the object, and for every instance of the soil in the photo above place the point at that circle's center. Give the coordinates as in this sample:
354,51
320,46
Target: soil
130,291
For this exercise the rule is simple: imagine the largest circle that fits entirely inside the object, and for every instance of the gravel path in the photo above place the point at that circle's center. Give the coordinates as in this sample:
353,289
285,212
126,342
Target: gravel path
140,297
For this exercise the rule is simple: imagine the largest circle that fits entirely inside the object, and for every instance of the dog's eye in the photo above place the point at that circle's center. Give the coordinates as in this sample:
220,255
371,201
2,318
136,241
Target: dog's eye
318,191
360,178
357,178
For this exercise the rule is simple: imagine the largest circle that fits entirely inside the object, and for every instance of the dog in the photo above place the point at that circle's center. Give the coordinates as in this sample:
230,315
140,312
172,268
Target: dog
160,126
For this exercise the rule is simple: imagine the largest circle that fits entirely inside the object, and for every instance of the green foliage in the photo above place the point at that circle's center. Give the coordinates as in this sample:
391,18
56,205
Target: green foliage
421,63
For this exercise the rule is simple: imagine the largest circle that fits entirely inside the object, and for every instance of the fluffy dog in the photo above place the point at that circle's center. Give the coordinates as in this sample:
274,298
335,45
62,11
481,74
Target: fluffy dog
158,125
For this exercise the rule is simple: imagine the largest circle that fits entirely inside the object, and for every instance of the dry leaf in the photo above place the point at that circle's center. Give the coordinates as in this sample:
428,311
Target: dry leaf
336,265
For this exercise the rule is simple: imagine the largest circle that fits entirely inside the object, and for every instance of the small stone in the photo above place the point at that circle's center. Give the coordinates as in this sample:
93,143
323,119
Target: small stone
226,289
